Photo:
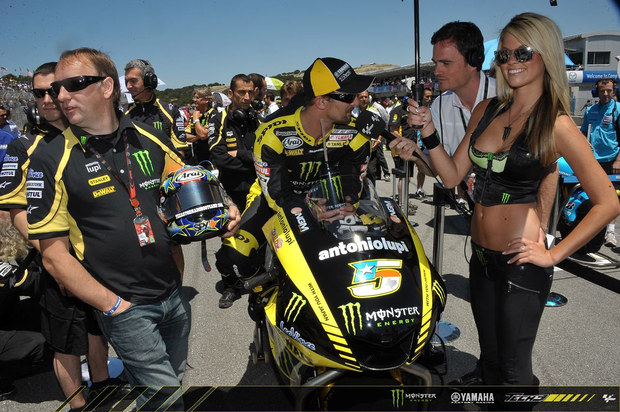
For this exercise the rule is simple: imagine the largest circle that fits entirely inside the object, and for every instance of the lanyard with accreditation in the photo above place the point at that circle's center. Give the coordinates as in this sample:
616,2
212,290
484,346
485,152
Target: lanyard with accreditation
141,222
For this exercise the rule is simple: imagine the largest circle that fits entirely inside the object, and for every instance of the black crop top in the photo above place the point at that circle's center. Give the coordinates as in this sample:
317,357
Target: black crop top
508,177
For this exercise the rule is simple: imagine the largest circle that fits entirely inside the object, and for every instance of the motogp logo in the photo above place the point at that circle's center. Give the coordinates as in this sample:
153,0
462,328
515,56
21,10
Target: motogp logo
377,277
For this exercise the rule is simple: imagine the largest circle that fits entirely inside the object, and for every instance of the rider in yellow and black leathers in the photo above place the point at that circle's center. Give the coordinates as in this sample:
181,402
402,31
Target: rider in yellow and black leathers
288,161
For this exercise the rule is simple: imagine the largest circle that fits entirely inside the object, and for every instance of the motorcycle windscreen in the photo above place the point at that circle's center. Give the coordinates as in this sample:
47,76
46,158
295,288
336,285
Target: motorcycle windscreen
195,196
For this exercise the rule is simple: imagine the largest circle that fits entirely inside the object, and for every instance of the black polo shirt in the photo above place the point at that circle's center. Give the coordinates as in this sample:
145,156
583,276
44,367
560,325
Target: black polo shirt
73,194
15,165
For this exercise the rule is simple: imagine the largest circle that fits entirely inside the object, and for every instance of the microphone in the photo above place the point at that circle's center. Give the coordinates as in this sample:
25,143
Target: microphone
142,91
371,125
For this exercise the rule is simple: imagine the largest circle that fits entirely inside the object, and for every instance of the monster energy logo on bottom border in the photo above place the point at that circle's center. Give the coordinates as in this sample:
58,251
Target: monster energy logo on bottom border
350,311
144,160
398,397
505,197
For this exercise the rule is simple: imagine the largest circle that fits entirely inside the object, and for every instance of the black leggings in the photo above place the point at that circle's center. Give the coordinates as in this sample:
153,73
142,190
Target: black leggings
507,301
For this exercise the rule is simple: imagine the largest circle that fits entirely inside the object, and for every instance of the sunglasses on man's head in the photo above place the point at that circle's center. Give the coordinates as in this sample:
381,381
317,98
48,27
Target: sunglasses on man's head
522,55
343,97
40,93
74,84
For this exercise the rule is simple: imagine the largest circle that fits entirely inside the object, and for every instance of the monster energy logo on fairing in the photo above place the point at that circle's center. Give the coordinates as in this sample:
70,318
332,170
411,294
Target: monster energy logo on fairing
398,397
294,307
158,125
350,311
505,197
144,160
309,170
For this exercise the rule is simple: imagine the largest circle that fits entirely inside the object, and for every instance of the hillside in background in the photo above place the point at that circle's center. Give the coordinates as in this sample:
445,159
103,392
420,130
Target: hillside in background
183,95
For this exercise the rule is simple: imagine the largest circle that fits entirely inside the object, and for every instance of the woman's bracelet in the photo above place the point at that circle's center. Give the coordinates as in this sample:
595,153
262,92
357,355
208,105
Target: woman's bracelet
432,141
116,305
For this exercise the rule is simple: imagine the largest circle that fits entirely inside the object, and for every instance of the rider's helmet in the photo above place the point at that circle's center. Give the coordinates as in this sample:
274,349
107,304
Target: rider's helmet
192,204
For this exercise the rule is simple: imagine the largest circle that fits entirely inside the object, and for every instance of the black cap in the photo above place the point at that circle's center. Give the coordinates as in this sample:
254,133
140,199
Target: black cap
328,74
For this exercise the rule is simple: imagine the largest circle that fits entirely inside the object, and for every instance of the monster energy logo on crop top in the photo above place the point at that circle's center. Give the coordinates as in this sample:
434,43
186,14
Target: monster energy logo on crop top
505,197
144,160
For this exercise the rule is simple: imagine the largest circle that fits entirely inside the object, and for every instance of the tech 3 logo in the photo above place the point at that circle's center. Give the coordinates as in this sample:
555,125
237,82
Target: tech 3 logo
350,312
144,160
398,398
294,307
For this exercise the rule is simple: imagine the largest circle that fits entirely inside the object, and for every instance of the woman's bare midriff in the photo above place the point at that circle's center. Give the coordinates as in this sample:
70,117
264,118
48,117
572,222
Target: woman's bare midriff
493,227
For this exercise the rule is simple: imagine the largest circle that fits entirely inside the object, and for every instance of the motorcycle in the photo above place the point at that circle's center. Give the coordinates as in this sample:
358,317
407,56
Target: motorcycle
574,204
350,298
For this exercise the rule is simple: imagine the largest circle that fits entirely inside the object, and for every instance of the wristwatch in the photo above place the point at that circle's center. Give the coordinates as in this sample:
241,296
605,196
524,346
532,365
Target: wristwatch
195,121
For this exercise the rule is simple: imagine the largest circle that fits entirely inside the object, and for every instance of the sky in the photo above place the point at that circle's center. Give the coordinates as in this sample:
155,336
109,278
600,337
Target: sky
209,41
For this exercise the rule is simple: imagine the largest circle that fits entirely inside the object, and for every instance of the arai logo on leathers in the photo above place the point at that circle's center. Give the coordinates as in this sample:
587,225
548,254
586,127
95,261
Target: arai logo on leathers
188,176
292,142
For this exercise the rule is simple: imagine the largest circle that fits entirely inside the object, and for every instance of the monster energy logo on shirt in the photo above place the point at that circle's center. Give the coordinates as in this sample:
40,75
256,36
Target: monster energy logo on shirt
294,307
144,160
350,312
158,125
505,197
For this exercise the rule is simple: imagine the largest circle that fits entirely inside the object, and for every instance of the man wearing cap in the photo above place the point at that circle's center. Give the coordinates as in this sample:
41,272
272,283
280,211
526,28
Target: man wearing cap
289,159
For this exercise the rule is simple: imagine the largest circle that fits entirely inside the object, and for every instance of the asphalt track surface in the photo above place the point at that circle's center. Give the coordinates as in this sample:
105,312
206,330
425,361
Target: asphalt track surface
578,344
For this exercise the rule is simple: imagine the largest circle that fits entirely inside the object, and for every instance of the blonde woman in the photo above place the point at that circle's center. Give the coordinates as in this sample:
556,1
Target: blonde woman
511,143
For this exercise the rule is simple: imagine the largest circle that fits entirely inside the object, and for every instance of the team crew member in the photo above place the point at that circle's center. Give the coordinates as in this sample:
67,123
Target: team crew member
97,190
603,122
231,137
65,321
511,143
141,81
289,157
197,129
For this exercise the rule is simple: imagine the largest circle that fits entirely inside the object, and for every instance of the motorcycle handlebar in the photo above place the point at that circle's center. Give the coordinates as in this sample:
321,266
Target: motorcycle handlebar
258,280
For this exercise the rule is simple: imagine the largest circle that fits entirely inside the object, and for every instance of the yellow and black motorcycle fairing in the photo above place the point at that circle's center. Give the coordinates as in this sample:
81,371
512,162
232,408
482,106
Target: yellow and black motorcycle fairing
358,294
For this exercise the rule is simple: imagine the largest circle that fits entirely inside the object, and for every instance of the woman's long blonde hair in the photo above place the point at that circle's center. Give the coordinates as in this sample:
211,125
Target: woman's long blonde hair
13,246
545,38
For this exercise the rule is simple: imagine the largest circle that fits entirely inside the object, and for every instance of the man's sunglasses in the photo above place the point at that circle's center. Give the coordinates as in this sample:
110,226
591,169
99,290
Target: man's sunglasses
74,84
522,55
40,93
343,97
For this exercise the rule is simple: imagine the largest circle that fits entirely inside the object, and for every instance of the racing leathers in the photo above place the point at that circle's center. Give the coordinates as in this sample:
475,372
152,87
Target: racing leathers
288,162
162,116
231,137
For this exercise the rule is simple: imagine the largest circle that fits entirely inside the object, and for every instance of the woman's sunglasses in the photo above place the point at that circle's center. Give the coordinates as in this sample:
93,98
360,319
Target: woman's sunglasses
74,84
522,55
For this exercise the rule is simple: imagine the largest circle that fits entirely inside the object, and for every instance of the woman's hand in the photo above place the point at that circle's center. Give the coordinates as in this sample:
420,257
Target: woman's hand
420,118
528,251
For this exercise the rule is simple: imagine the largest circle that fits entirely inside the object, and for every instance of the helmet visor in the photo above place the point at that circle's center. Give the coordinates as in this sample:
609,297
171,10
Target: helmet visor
195,197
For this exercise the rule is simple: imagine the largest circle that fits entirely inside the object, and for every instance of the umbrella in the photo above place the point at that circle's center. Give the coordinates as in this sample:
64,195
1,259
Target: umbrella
221,98
273,83
489,55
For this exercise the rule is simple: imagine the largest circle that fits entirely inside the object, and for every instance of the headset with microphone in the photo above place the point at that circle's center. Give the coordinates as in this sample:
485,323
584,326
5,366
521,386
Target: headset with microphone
594,90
